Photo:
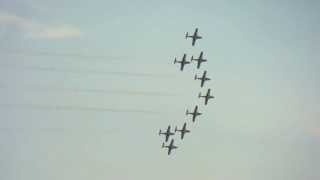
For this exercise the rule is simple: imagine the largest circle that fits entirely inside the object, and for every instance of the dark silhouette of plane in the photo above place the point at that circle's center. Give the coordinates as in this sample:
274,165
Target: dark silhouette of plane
194,36
199,60
170,146
203,78
183,130
194,114
206,97
183,62
167,133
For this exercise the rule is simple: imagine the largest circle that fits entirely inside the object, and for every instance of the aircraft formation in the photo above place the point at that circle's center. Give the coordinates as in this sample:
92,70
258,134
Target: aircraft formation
195,112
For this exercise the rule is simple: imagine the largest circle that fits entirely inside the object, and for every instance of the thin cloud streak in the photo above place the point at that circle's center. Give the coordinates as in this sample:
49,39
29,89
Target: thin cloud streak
98,91
88,71
103,58
80,108
56,130
37,30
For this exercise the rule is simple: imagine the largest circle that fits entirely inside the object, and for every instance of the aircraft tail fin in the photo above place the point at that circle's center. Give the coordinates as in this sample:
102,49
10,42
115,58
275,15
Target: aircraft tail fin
199,95
159,132
195,77
162,145
187,112
175,60
175,130
187,34
192,58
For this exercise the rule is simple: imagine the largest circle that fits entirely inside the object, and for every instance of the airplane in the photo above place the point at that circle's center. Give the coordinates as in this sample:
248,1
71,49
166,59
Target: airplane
203,79
170,146
194,36
199,60
183,130
194,114
167,133
183,62
206,97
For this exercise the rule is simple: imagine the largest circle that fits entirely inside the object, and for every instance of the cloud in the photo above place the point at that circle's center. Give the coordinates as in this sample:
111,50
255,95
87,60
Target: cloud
32,29
57,32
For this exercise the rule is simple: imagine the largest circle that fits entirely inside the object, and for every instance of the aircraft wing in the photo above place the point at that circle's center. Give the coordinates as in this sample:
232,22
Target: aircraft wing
184,126
193,40
201,54
169,150
206,101
168,133
181,66
170,147
167,137
183,130
199,63
202,82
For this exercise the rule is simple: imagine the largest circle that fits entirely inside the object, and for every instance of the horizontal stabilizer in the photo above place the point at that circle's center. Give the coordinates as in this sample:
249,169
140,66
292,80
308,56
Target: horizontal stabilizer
187,34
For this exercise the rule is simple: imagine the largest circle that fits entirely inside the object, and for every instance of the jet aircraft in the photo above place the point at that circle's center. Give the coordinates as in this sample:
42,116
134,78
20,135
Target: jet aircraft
203,78
194,114
183,62
170,147
182,131
194,37
199,60
206,97
167,133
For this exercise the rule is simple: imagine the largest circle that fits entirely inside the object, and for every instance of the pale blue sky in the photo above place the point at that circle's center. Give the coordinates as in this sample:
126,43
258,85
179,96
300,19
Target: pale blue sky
67,66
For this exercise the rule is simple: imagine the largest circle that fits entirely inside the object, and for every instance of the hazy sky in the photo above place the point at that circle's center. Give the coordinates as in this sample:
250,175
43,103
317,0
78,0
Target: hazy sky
86,85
